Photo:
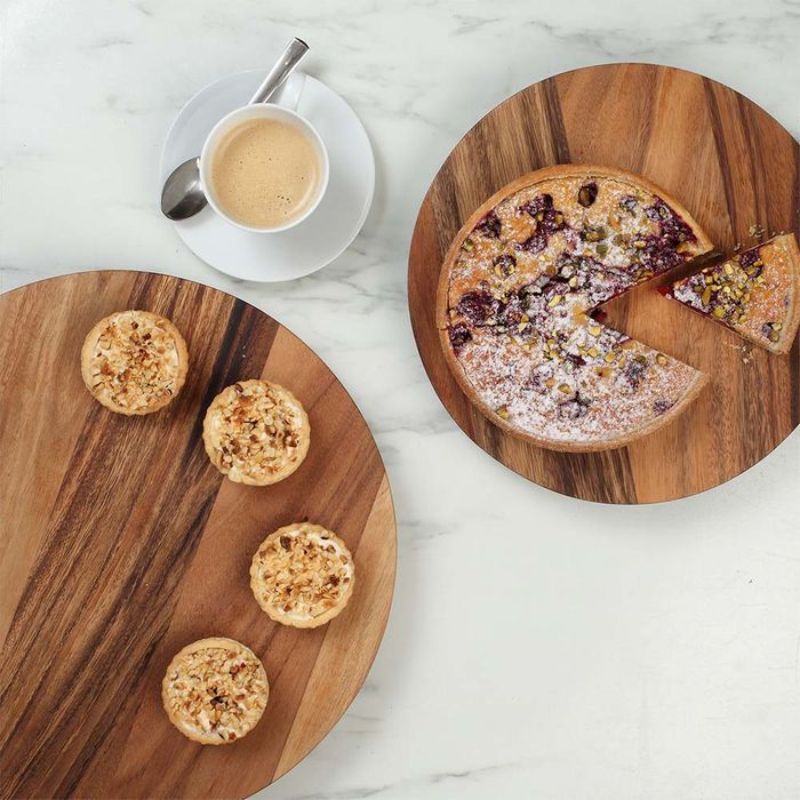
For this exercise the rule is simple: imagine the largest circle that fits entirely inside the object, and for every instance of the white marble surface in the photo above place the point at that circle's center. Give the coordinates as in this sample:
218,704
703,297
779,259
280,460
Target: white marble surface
538,646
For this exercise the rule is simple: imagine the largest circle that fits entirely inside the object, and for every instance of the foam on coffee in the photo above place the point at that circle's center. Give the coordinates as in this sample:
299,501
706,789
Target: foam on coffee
265,173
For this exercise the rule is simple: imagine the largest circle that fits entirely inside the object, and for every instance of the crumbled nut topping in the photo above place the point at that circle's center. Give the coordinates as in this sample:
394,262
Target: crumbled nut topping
301,572
256,430
135,362
725,290
752,293
216,692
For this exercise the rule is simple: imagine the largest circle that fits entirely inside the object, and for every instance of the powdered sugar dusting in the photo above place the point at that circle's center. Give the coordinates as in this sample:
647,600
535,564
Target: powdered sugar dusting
520,292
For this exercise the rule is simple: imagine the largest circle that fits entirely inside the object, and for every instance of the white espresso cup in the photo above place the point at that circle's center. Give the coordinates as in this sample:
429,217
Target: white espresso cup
262,111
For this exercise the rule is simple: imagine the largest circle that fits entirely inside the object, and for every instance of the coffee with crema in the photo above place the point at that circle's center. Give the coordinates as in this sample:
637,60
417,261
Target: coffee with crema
265,173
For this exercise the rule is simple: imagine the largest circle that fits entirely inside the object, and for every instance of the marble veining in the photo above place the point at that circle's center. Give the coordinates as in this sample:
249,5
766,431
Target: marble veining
538,646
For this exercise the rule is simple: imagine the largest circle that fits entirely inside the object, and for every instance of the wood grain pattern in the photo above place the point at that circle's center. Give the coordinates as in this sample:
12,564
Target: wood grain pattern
732,166
120,543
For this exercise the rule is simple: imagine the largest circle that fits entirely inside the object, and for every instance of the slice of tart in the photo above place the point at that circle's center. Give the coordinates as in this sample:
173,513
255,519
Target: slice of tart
256,432
134,362
756,293
215,691
516,295
302,575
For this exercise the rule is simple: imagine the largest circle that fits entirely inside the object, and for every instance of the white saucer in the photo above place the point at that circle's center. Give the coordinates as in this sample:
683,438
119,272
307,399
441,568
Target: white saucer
334,224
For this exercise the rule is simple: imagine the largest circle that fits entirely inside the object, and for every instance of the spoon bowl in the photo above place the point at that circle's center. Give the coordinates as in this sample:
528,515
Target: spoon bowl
183,196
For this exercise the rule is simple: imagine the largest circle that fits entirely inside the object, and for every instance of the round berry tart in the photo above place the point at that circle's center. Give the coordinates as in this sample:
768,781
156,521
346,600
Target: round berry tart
516,295
756,293
134,362
302,575
256,432
215,691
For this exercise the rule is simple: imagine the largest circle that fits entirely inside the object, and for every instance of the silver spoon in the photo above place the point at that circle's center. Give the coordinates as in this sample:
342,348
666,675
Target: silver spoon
182,196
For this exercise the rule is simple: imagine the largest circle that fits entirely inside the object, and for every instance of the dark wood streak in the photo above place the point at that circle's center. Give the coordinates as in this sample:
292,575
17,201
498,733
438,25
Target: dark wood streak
721,148
31,599
555,122
147,295
623,488
446,197
147,622
242,353
757,170
66,530
488,437
533,106
487,157
651,89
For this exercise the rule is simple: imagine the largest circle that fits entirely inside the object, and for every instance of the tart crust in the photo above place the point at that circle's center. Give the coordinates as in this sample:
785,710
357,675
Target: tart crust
256,432
302,575
215,691
756,293
134,362
680,384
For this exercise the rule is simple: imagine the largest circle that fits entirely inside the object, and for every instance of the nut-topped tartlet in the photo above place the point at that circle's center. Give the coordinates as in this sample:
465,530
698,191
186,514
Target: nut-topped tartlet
756,293
134,362
256,432
215,691
517,292
302,575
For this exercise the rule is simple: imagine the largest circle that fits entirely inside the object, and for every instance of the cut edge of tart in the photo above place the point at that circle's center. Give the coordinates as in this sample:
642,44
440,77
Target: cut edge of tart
256,432
215,690
302,575
134,362
693,381
756,293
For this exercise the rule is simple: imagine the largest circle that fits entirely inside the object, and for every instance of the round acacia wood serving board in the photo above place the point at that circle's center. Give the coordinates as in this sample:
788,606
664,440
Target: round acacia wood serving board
120,543
732,165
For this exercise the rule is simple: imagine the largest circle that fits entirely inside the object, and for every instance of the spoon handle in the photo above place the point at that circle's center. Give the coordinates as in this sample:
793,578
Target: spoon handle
290,58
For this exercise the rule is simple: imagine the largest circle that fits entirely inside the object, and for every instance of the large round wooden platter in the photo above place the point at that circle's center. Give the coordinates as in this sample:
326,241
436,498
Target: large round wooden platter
120,543
732,165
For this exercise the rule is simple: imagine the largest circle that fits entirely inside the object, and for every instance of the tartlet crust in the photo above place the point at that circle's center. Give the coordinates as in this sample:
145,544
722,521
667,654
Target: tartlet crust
302,575
250,680
118,363
558,171
256,432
